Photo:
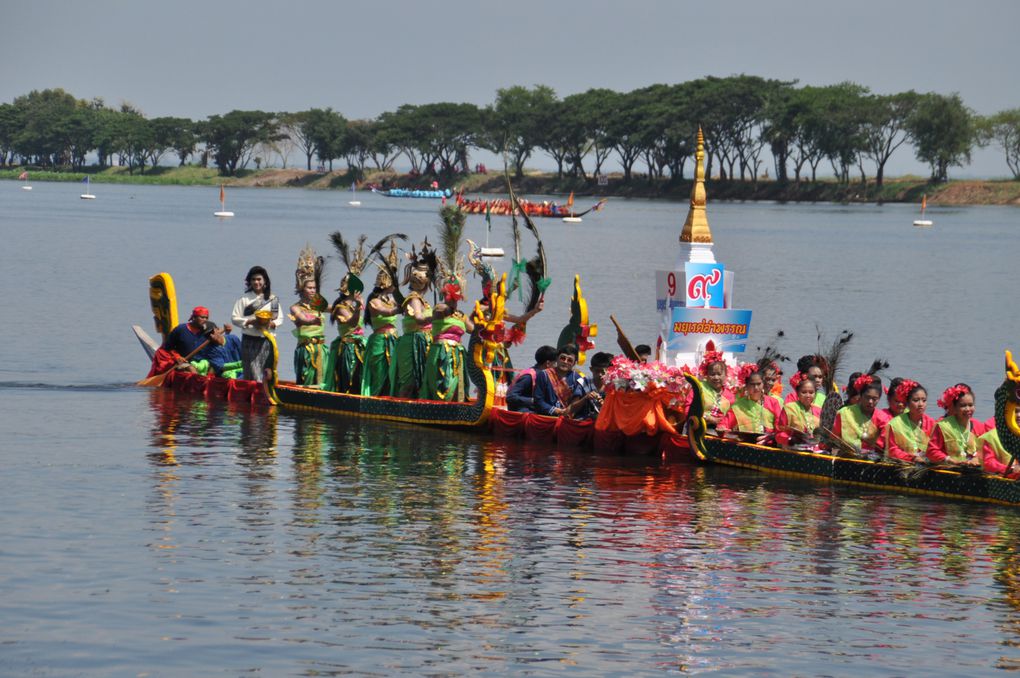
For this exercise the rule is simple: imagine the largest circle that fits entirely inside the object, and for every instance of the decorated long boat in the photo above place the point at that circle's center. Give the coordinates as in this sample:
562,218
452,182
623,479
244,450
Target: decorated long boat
544,209
838,467
434,194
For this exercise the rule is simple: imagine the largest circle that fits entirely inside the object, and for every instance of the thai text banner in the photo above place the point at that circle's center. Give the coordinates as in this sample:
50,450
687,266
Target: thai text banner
690,328
671,289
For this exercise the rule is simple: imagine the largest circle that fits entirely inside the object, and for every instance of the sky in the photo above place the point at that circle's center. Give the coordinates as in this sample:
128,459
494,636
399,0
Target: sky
198,58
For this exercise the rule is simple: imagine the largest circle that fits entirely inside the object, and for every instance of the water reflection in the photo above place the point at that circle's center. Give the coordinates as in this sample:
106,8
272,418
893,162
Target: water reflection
445,549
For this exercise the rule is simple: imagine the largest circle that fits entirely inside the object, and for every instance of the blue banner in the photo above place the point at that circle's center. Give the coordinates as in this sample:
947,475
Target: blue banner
690,328
704,288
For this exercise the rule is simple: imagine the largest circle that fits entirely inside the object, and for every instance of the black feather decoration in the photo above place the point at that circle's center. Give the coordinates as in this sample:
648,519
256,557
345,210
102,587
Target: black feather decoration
831,360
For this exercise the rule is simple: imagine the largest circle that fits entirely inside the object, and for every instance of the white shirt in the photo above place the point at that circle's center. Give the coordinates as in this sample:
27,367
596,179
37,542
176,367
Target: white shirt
239,318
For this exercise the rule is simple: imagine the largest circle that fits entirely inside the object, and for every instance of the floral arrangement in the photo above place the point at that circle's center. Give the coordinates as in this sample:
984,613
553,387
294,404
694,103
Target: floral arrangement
862,382
653,378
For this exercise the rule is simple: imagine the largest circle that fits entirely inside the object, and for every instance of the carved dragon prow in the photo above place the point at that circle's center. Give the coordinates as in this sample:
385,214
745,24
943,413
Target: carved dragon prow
1007,400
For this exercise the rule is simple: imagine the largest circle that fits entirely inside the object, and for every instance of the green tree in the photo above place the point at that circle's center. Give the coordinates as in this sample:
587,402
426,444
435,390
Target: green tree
8,127
41,116
230,138
515,121
1003,128
884,127
326,130
944,133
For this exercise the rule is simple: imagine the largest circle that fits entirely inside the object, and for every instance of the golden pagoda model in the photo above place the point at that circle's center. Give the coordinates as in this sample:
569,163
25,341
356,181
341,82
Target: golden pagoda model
696,237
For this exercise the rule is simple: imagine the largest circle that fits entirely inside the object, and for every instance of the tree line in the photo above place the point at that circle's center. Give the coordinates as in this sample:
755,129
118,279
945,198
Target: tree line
751,125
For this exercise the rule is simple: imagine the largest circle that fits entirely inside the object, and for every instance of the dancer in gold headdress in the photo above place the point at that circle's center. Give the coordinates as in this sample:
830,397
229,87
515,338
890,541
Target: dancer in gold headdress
307,315
346,358
413,346
446,366
381,311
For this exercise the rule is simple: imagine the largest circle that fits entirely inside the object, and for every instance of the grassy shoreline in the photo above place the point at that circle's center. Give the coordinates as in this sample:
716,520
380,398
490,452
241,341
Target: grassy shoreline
900,189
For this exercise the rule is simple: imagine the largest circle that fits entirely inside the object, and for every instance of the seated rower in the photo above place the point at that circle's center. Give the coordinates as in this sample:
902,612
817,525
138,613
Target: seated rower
594,387
858,425
954,439
812,367
222,357
994,457
557,390
644,352
715,396
894,406
748,417
906,435
184,342
800,417
521,395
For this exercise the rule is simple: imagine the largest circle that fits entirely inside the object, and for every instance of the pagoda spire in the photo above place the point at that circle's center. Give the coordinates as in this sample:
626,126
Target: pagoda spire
696,228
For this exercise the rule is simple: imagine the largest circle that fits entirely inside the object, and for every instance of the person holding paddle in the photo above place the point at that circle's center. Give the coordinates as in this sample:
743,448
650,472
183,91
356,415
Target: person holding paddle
183,342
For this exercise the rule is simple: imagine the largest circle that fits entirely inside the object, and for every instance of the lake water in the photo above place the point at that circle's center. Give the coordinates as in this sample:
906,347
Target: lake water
150,534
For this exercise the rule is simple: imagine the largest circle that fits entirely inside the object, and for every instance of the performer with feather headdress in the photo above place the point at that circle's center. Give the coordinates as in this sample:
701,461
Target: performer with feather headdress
346,359
381,311
307,315
446,365
413,346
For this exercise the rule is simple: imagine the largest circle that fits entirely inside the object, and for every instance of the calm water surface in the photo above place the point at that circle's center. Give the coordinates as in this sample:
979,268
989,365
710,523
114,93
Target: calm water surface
148,533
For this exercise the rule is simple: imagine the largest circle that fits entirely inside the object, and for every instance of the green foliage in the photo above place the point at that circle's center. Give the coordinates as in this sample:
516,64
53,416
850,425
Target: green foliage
231,138
1003,128
944,133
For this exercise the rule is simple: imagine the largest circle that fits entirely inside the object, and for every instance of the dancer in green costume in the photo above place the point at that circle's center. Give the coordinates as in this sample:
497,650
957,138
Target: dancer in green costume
307,315
382,311
412,348
446,365
346,358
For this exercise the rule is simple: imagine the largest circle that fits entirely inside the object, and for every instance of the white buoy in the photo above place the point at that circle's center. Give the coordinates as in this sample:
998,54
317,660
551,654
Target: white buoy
26,188
922,222
86,195
223,205
355,203
572,220
223,214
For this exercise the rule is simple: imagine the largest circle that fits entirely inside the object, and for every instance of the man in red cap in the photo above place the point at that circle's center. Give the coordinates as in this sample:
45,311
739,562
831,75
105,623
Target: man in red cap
183,340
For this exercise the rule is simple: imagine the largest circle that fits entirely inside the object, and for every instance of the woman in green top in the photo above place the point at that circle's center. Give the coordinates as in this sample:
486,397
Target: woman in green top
954,440
346,360
446,366
858,425
307,314
748,417
413,346
381,312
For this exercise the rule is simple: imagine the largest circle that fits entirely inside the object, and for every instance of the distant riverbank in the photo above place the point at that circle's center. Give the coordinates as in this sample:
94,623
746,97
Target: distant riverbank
899,189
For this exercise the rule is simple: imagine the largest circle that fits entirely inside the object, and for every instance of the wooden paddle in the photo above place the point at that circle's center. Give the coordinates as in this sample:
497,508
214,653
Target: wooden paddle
624,342
158,379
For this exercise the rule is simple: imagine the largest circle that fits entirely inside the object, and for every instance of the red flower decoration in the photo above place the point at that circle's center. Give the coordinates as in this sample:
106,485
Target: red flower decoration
710,358
516,335
951,395
796,379
452,292
862,381
904,389
746,371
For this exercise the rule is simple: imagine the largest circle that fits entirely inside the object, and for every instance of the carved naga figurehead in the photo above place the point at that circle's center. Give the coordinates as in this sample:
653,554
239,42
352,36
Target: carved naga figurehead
1007,401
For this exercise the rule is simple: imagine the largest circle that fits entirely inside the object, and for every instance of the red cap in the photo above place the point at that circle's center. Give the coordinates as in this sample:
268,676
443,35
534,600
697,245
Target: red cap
200,310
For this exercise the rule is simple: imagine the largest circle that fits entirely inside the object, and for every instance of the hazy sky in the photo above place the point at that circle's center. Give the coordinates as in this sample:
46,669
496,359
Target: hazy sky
194,59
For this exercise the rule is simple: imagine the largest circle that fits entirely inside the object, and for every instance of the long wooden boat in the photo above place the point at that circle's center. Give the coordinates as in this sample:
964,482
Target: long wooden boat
471,414
435,194
890,475
503,207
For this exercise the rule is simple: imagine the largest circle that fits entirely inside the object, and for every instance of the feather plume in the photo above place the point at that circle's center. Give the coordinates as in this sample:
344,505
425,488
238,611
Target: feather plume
770,354
877,366
377,248
451,236
832,359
